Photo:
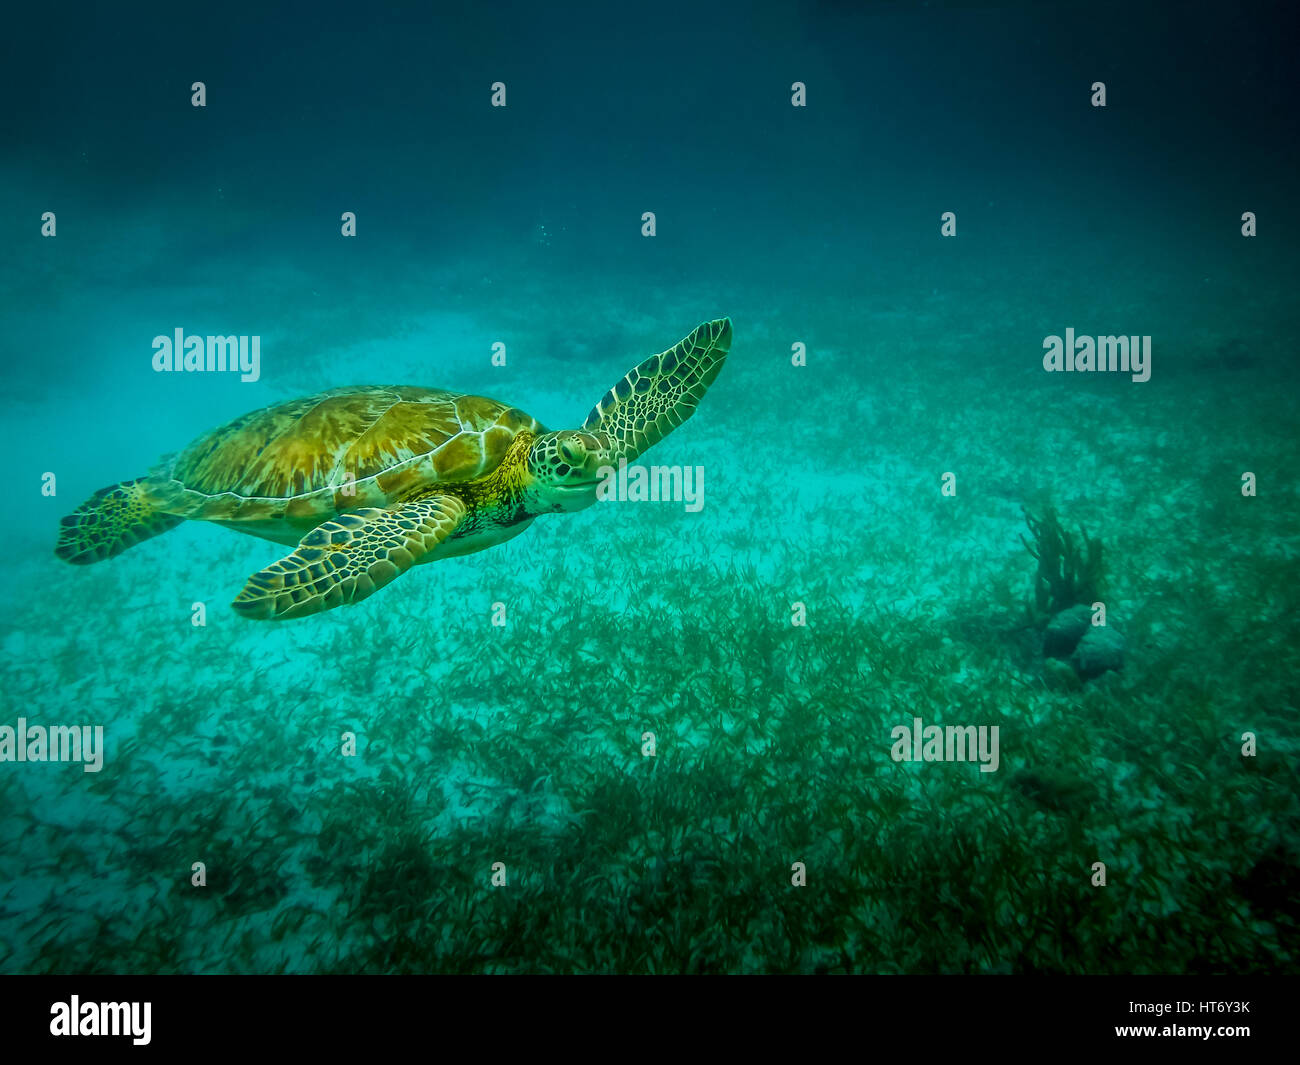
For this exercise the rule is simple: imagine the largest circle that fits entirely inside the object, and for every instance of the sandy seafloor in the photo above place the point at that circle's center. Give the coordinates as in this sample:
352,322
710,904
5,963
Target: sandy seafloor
521,744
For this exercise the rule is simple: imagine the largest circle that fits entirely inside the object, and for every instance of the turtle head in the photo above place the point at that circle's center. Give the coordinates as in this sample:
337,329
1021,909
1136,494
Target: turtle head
565,470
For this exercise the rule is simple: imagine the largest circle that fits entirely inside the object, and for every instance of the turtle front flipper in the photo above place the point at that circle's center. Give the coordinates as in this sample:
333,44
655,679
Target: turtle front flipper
349,558
110,521
661,393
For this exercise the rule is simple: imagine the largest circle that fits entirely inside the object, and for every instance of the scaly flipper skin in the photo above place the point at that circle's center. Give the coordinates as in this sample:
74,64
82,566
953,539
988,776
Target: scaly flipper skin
110,521
349,558
661,393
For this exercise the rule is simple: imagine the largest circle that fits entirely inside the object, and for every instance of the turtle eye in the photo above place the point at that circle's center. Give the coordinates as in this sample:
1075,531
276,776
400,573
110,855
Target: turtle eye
568,453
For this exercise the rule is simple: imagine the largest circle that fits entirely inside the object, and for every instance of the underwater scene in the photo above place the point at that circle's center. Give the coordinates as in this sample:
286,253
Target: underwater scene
651,488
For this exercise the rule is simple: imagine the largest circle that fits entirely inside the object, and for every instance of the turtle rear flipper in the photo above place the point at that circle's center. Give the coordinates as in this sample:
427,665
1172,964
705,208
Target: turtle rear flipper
661,393
110,521
349,558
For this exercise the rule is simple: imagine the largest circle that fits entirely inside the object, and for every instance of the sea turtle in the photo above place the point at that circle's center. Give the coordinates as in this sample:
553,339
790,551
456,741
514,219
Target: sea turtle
366,482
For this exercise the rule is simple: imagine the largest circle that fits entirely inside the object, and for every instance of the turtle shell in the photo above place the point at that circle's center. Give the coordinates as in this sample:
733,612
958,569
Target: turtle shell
300,462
